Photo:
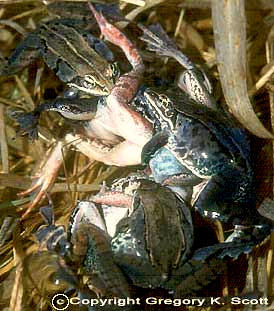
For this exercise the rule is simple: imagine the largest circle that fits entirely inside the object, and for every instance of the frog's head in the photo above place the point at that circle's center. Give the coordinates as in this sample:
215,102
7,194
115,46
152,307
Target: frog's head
160,108
96,82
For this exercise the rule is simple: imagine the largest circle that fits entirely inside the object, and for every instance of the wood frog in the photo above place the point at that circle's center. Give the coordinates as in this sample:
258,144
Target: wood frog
151,248
157,234
195,141
114,133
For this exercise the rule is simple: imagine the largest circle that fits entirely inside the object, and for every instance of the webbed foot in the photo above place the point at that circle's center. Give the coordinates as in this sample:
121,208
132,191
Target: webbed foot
252,235
28,122
193,81
158,41
207,264
50,236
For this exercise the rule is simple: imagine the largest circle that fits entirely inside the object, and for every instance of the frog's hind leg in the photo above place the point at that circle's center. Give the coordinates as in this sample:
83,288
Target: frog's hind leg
25,53
114,35
158,41
93,244
221,199
193,81
123,154
229,197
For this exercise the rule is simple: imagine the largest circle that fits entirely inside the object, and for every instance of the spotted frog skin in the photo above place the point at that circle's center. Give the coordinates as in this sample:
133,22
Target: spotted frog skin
114,133
198,143
77,57
157,235
151,248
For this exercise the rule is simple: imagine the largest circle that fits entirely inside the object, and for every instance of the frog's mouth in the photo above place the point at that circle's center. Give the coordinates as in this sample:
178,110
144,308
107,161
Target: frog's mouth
76,109
74,113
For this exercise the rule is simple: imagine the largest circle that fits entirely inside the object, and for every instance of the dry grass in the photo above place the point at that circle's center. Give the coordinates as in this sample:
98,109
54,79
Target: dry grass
190,24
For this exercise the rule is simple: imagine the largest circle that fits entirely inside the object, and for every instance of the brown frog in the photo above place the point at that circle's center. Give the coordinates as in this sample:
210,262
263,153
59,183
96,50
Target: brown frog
114,133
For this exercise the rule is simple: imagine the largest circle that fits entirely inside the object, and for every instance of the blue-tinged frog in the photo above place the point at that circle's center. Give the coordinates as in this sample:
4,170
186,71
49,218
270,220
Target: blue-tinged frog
198,143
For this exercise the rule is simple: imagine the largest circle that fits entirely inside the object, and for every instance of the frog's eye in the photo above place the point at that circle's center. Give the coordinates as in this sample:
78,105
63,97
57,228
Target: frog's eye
152,95
89,82
102,101
165,101
71,93
65,107
115,70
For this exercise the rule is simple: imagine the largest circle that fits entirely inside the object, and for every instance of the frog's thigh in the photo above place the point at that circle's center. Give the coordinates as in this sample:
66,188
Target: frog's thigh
219,195
123,154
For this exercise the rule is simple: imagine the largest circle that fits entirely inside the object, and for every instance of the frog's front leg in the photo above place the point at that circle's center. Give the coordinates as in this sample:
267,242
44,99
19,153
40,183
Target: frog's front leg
74,109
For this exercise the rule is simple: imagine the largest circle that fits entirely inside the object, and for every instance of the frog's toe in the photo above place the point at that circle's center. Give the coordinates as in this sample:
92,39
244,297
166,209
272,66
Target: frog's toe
50,236
40,189
157,40
35,201
45,179
222,250
254,233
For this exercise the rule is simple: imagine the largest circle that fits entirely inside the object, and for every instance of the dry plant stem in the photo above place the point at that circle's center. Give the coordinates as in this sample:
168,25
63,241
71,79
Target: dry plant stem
269,266
27,13
3,142
25,93
270,59
262,81
132,15
9,102
135,2
229,25
205,4
7,266
15,26
19,182
17,291
179,23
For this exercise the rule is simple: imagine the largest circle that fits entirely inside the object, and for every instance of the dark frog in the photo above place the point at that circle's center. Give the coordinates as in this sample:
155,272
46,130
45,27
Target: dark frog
197,142
151,248
156,236
209,148
153,240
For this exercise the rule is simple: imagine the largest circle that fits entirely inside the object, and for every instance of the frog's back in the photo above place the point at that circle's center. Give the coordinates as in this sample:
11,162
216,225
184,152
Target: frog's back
219,123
